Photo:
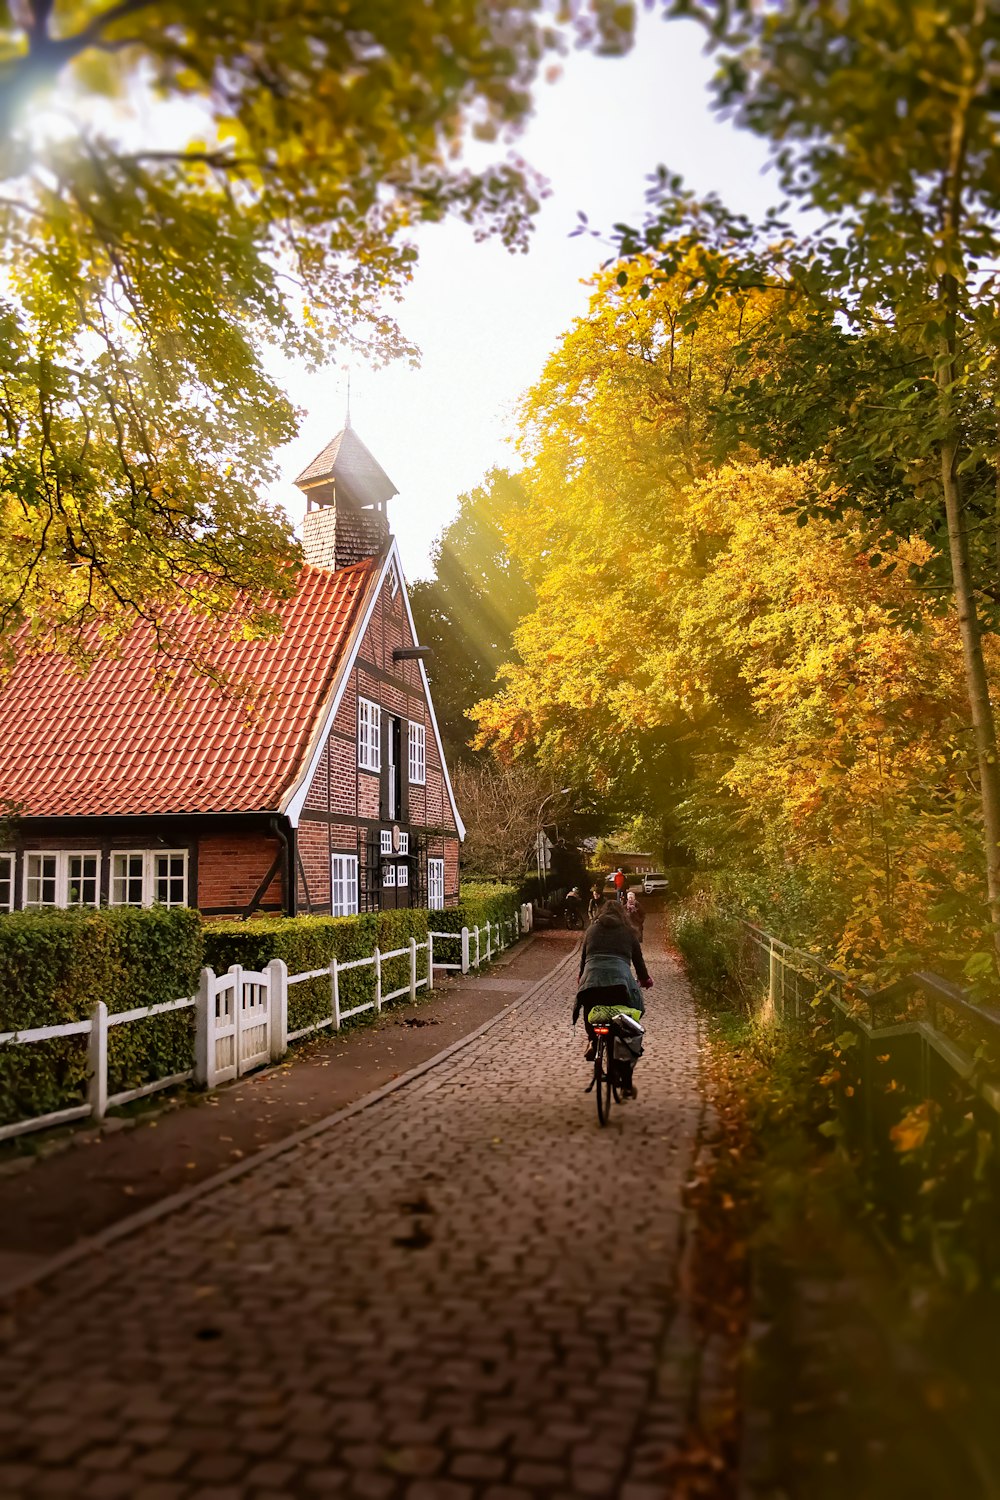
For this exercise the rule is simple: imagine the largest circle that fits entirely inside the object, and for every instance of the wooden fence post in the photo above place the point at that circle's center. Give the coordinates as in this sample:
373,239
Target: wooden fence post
378,979
335,992
430,962
477,945
413,969
277,1007
97,1060
465,950
236,970
204,1042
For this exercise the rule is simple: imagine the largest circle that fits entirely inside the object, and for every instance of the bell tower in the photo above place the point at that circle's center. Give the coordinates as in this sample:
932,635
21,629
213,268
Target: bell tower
347,494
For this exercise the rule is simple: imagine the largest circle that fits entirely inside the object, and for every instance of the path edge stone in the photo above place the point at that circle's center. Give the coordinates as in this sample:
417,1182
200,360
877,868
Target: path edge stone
175,1202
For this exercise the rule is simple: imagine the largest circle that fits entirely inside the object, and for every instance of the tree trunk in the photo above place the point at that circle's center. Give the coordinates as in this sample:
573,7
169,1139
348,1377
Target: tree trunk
977,683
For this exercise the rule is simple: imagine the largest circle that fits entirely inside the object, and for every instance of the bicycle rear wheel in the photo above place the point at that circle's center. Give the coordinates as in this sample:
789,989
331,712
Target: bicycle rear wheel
602,1079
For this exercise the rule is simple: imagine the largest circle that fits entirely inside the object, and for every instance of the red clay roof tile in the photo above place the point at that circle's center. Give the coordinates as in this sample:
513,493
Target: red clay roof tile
114,743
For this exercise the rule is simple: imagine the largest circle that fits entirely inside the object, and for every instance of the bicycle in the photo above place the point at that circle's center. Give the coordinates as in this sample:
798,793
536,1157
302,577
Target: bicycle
617,1042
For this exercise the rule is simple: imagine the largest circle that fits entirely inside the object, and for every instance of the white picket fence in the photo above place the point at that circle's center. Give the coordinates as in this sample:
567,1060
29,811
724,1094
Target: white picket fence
241,1017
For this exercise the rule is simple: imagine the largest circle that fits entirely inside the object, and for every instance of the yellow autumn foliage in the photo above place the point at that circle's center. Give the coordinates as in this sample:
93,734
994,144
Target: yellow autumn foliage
785,695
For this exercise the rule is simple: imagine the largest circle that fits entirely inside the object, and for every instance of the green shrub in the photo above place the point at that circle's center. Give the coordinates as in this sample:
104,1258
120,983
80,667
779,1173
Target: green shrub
713,944
307,943
56,965
480,902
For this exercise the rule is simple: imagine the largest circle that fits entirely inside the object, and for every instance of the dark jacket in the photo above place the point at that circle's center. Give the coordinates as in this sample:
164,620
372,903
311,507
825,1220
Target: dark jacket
616,938
636,918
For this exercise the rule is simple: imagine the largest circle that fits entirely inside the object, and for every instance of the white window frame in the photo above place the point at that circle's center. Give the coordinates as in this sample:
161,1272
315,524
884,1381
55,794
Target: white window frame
62,858
117,854
393,577
149,876
417,745
435,884
404,843
385,840
10,879
389,876
369,735
344,885
154,855
402,875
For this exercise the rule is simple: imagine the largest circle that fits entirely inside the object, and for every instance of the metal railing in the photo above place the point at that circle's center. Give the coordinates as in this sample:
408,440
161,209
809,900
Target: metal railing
796,980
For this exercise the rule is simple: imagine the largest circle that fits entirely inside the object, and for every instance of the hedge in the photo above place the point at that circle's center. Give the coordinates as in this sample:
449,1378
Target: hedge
480,902
56,965
312,943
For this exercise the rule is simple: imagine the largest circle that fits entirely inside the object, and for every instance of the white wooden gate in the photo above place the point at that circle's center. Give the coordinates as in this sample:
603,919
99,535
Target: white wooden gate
236,1029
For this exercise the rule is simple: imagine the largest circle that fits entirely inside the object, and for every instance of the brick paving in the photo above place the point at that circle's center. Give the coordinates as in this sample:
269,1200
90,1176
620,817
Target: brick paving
466,1292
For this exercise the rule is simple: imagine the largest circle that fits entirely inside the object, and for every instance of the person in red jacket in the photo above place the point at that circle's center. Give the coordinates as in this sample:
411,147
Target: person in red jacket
619,880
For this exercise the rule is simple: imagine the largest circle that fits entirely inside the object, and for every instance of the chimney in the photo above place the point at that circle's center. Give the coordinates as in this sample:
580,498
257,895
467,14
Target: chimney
347,492
319,537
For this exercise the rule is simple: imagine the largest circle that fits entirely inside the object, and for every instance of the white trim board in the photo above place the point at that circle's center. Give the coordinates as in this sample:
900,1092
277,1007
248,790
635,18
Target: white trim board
293,801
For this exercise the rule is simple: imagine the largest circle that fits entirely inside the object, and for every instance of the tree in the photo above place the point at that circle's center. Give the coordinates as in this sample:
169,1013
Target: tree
181,186
501,804
467,612
785,694
613,433
884,119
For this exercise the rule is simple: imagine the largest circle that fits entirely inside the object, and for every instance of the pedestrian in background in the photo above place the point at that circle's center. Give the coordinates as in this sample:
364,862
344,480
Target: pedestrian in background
635,913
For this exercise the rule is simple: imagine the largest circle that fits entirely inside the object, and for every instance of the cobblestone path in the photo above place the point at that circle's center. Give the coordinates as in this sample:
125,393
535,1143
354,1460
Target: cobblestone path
464,1292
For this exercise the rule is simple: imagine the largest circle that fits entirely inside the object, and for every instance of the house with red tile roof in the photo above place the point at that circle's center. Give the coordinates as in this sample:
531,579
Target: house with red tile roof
330,796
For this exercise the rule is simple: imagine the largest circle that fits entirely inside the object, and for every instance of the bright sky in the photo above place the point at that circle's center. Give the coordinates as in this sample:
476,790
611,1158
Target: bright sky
485,320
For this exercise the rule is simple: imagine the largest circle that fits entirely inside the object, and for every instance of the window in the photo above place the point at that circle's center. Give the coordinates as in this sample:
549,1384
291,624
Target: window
141,876
435,884
128,879
170,878
82,876
62,878
344,880
369,735
418,754
6,882
404,843
385,844
402,875
389,874
393,580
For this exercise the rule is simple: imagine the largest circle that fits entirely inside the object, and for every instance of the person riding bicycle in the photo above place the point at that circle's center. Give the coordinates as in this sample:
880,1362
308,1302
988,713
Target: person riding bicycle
574,908
595,903
609,952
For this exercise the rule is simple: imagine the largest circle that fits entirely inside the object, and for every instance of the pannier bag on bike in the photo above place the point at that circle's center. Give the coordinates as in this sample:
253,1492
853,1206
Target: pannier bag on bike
628,1039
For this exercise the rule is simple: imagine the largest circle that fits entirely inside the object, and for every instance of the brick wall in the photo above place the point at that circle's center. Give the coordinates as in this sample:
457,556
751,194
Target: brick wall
231,867
314,854
339,787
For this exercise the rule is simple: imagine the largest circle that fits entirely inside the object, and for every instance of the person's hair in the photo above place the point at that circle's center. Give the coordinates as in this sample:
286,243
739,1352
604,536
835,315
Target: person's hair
613,910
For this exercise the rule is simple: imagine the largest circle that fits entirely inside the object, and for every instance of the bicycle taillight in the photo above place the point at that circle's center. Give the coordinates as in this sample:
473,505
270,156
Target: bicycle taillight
601,1030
